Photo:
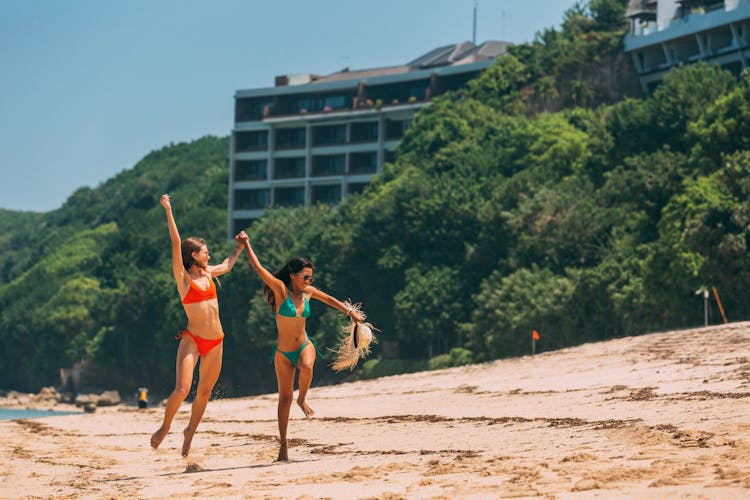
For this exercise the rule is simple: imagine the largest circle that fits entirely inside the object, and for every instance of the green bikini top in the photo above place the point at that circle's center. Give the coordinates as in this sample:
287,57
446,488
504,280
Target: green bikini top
287,308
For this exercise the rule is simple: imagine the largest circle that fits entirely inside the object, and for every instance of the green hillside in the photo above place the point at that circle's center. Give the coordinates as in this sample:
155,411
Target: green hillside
547,196
91,279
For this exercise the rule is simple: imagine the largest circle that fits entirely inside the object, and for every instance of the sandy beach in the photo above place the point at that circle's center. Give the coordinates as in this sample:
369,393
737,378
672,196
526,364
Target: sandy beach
662,415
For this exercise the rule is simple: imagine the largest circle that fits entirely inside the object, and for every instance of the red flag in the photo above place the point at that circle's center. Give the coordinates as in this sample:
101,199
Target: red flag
535,335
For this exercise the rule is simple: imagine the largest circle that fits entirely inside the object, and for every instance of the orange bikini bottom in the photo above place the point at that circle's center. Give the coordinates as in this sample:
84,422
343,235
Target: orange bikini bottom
204,345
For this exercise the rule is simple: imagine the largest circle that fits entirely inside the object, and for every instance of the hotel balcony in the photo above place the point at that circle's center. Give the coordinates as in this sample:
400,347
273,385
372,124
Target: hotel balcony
667,33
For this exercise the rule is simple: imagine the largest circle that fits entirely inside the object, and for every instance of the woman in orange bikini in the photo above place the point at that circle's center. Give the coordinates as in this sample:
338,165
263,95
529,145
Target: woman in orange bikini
288,292
203,336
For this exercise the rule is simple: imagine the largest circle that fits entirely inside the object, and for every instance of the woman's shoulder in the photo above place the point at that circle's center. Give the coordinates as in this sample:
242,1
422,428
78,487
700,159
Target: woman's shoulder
280,294
183,278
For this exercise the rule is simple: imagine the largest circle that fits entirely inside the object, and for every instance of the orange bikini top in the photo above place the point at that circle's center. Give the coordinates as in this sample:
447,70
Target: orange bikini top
195,294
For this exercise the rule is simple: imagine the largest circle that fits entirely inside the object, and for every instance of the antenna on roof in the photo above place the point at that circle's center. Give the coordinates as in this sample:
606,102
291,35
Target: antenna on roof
474,31
502,37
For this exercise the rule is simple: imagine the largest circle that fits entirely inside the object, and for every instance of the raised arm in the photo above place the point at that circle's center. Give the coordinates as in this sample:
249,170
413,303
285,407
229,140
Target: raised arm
228,263
269,279
347,309
178,269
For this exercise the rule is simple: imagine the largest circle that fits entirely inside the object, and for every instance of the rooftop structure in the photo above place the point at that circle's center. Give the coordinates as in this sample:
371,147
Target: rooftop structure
667,33
317,138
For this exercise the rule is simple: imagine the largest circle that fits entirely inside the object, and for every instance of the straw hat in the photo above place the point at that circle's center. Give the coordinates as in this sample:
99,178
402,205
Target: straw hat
354,343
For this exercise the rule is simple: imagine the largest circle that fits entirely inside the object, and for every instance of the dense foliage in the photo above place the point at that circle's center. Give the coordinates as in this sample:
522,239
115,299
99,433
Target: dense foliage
548,195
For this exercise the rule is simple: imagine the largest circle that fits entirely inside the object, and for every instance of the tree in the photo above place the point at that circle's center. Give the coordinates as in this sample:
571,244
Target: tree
509,308
723,127
683,97
608,15
500,86
429,308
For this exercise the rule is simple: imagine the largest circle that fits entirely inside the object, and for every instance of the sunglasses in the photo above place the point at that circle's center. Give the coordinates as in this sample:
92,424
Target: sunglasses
307,278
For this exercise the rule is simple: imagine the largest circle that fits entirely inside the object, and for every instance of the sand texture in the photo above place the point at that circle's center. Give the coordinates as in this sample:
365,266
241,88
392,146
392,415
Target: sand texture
656,416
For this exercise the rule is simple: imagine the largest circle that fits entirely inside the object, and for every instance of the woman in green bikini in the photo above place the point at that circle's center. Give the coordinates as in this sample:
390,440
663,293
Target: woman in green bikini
288,292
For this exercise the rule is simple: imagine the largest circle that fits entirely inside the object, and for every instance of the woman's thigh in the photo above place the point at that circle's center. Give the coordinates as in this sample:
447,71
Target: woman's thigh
284,373
307,357
187,357
210,367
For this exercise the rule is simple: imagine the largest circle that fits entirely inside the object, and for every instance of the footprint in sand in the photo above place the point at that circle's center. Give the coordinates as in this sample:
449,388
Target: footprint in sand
266,456
192,467
580,457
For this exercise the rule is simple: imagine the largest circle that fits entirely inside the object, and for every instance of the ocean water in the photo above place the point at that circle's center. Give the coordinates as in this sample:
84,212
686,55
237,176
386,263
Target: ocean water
13,413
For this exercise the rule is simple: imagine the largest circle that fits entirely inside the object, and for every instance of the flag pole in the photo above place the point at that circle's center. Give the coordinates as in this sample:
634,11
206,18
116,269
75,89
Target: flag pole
721,308
534,338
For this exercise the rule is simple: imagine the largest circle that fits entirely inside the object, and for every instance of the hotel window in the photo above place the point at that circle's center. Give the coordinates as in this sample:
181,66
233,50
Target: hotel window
389,156
363,163
328,164
710,5
288,168
250,170
319,103
289,197
394,129
250,141
290,138
399,93
364,132
250,109
324,135
355,187
249,199
330,195
302,105
334,102
454,82
417,93
241,224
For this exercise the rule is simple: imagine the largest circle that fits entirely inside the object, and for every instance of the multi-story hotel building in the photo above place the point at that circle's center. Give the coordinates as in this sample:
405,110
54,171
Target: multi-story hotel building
666,33
314,139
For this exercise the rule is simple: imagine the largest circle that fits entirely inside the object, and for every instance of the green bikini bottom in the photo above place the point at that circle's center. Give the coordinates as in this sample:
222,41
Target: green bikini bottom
293,356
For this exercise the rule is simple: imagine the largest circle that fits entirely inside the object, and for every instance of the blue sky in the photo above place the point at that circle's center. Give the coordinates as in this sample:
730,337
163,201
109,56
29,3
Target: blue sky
89,87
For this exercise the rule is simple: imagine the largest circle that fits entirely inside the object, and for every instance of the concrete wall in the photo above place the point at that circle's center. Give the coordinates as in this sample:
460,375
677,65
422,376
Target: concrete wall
666,11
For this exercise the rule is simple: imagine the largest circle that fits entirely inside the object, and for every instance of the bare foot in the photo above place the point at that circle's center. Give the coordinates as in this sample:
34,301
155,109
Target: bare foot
188,439
283,455
158,436
305,409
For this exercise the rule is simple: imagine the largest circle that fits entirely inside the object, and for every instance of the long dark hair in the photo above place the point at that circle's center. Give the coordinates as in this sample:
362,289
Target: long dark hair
295,265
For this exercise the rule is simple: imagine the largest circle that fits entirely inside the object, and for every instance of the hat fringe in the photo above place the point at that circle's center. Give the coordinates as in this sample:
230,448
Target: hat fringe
354,343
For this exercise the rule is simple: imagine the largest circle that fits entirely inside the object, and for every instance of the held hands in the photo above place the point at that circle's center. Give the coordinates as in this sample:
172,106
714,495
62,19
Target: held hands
165,202
242,238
